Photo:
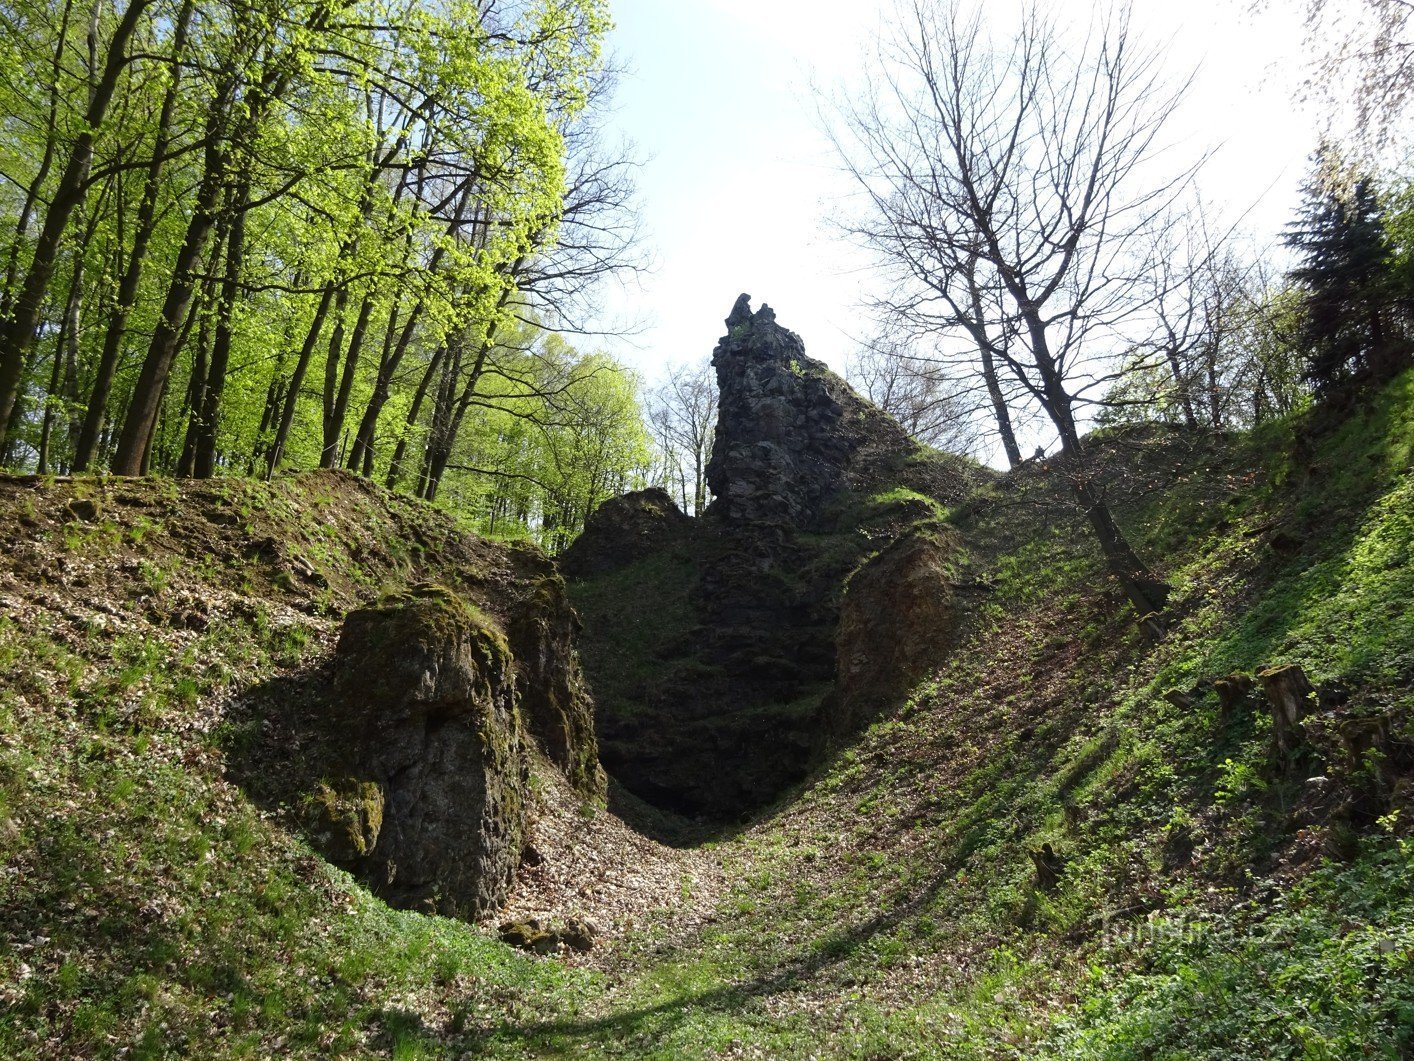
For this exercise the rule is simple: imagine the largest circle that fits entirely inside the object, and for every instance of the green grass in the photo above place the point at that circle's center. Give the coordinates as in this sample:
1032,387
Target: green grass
892,909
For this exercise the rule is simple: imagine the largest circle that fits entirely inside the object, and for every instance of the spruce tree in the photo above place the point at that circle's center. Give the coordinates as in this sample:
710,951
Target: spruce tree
1344,273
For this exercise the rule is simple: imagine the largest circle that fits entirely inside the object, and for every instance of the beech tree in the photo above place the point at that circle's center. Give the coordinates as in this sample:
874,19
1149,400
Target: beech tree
1013,187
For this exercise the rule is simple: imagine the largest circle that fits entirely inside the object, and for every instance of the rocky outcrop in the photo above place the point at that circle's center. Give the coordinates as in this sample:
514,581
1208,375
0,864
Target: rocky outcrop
791,435
900,616
426,693
417,754
714,644
623,530
543,633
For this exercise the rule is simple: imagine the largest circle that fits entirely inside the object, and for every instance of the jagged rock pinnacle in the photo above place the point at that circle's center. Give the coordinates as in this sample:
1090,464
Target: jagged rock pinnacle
741,311
789,431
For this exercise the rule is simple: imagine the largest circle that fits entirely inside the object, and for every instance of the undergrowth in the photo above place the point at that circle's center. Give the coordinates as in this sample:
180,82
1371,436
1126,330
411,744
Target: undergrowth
1062,845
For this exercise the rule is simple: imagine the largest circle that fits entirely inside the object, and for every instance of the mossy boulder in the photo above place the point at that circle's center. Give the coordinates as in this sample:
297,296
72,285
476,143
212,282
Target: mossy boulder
345,818
899,618
426,690
623,530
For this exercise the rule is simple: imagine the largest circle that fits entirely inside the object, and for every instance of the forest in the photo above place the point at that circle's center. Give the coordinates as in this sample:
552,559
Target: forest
409,650
244,239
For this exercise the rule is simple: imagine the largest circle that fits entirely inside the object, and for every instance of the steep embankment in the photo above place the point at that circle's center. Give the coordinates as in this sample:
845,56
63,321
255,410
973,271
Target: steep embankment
1066,841
181,748
1071,842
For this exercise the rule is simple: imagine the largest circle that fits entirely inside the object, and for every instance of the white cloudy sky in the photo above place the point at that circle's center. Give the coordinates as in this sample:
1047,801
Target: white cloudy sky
740,182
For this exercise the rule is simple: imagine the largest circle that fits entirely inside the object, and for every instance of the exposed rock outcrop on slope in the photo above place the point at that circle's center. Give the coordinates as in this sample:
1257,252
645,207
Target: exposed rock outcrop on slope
426,696
711,643
791,435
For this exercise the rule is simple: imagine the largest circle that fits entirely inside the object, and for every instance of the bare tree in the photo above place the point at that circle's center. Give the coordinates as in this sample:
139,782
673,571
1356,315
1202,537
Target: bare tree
1361,65
1017,184
917,390
682,415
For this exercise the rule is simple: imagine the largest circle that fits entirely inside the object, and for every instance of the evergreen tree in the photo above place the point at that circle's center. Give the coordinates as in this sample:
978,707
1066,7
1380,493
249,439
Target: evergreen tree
1344,273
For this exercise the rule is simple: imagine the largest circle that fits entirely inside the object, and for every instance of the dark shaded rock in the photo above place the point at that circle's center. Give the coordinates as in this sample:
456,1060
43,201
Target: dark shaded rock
82,510
539,937
712,643
898,621
578,935
624,529
425,686
543,632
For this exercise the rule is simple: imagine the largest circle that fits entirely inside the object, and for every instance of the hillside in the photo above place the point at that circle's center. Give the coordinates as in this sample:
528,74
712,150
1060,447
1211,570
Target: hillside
1065,840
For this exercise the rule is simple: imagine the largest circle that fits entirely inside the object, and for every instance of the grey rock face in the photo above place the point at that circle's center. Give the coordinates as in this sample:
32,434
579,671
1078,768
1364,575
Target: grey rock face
427,692
790,433
733,629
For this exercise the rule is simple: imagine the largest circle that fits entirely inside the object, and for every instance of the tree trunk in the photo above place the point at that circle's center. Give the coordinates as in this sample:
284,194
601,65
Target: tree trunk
334,427
210,422
395,467
292,392
141,421
131,280
1000,413
18,334
196,386
65,347
362,458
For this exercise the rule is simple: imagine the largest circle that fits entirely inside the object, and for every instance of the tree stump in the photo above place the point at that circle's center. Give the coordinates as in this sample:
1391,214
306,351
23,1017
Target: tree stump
1291,696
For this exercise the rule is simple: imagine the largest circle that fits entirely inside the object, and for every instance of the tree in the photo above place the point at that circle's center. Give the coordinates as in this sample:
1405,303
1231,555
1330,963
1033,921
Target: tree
682,415
915,389
22,315
1344,274
1361,56
1016,183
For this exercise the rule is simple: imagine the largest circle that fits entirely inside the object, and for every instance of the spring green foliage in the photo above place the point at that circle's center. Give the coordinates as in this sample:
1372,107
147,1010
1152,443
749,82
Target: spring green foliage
889,909
302,235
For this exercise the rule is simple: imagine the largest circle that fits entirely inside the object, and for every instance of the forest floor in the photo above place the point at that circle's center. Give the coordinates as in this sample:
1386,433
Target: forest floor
1206,898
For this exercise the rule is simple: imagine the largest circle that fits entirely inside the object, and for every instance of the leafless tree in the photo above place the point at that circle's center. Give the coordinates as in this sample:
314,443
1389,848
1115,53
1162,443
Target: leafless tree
682,415
917,390
1360,65
1016,183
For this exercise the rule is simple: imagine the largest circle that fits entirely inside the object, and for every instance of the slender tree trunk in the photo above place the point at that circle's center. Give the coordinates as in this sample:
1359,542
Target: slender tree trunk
433,462
131,281
395,467
292,392
65,348
141,421
334,429
196,386
46,163
18,334
210,424
273,396
382,390
1000,413
1145,593
1185,396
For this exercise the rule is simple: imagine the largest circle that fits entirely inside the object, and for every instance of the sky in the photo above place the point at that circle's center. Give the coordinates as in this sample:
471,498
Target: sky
740,183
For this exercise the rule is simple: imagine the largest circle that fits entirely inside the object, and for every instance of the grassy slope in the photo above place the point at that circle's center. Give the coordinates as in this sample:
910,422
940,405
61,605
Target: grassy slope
145,901
889,910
